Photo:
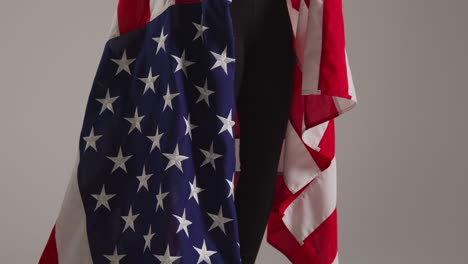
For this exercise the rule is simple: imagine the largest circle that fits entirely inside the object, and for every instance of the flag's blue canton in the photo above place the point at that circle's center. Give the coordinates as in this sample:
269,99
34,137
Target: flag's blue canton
157,152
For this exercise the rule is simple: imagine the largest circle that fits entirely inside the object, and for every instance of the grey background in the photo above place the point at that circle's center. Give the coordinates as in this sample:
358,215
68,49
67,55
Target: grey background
402,162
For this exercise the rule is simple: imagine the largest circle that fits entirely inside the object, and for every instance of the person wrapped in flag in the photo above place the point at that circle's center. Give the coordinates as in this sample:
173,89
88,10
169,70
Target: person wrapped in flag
160,157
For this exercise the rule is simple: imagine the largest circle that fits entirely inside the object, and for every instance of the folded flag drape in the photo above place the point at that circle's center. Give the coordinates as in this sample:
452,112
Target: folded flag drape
303,223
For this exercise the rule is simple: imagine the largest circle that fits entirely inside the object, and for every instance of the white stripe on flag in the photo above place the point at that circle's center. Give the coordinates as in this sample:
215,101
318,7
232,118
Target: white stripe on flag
299,166
313,205
114,30
159,6
313,136
336,260
345,104
300,28
293,16
351,89
312,47
70,227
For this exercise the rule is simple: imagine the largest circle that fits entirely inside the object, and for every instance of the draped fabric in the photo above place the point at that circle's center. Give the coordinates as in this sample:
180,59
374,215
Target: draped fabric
152,182
303,224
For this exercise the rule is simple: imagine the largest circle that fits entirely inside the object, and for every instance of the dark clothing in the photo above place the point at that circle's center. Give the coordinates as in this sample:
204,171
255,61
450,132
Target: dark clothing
263,88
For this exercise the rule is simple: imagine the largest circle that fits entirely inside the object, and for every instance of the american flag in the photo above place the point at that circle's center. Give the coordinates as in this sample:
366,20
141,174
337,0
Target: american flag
303,223
153,180
158,154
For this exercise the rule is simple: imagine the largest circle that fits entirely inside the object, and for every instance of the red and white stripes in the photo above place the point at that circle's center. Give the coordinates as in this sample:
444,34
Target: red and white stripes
303,223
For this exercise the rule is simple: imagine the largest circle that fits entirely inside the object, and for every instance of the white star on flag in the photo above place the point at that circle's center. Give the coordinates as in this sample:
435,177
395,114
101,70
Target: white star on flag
200,29
143,178
231,188
167,258
124,63
219,220
189,126
228,123
222,60
119,160
168,98
204,253
194,189
156,139
129,220
161,41
107,102
135,121
160,198
149,81
115,258
103,198
148,238
183,223
204,93
91,140
175,159
210,156
182,63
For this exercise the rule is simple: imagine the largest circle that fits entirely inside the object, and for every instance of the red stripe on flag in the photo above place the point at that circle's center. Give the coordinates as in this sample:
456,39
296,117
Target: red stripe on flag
320,108
236,125
333,69
135,14
319,248
50,254
132,15
296,4
322,244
